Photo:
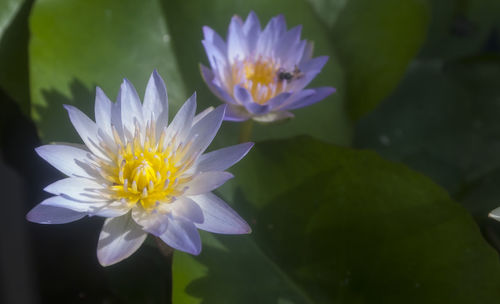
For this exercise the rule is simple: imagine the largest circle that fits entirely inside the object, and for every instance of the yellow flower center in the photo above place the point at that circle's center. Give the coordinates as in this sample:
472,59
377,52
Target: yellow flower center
149,171
259,77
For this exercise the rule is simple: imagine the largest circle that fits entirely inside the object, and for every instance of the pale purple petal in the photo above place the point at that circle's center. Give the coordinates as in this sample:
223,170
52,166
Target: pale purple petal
236,113
77,188
182,235
67,159
208,76
319,94
205,130
183,120
120,237
278,100
251,29
131,108
237,48
86,128
43,214
188,209
288,44
207,181
103,107
216,57
68,203
202,114
222,159
155,98
212,37
219,217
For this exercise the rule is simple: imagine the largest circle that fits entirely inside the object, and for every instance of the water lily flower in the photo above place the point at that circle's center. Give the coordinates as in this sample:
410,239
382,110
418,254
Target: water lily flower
262,74
142,174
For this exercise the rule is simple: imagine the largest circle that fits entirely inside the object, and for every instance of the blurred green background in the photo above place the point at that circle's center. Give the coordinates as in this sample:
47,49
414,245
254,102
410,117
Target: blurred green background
378,194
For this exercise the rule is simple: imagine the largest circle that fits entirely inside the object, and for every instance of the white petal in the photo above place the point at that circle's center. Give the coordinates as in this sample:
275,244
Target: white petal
78,188
205,130
67,159
155,98
65,202
119,238
188,209
202,114
273,116
220,160
219,217
183,120
207,181
103,107
153,222
42,214
182,235
131,108
495,214
86,128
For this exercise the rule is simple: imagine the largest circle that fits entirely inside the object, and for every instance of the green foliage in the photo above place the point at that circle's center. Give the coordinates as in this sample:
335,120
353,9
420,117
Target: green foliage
14,75
375,41
335,225
77,45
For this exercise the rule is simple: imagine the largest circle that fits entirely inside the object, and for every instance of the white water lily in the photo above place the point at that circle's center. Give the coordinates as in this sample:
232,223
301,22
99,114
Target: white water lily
143,174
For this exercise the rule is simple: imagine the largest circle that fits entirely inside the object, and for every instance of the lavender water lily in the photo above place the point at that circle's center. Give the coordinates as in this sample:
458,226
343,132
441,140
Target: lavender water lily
262,74
142,174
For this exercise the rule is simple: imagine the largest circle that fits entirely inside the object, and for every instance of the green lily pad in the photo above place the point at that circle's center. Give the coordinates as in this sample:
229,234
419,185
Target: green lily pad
336,225
375,41
76,46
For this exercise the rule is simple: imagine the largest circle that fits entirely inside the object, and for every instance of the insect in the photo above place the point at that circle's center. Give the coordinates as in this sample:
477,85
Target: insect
284,75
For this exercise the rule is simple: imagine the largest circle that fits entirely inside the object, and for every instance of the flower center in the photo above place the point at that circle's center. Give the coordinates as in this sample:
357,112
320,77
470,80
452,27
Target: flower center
149,172
259,77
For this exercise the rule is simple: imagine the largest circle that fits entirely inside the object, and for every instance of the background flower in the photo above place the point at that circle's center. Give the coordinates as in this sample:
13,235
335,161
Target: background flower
262,74
143,174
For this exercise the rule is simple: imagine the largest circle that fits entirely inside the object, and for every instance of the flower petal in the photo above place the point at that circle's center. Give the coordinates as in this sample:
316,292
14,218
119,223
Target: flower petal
68,203
131,108
103,107
205,130
236,113
237,47
222,159
153,222
78,188
495,214
182,235
183,120
67,159
120,237
251,29
188,209
208,77
207,181
86,128
212,37
43,214
319,94
155,98
218,216
202,114
273,116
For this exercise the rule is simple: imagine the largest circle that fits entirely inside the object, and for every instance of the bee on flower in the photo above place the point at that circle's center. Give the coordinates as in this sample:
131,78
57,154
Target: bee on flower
143,174
262,74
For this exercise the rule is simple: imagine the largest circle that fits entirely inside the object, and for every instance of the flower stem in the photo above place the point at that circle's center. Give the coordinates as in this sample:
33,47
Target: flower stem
246,131
168,253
